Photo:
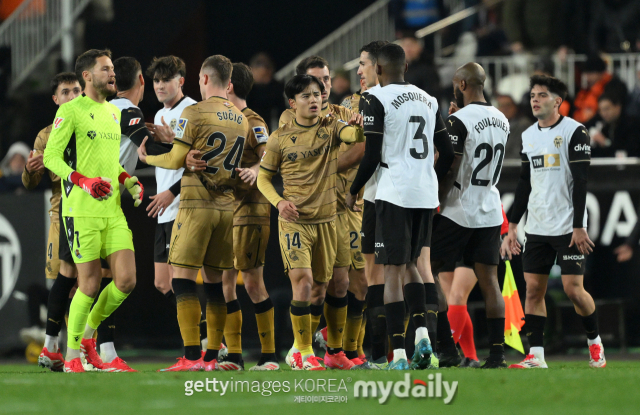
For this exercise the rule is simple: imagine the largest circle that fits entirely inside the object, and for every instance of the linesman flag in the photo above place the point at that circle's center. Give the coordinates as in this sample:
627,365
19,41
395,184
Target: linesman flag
513,313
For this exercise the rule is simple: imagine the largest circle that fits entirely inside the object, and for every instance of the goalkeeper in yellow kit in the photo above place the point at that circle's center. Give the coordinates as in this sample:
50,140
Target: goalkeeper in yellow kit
83,149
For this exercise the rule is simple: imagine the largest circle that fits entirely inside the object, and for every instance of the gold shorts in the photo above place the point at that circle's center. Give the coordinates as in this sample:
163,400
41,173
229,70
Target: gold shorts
249,246
309,246
202,237
355,243
53,261
343,252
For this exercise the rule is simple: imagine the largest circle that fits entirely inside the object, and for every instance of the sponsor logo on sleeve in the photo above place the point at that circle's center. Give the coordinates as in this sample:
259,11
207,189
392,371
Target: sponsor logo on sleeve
586,148
115,118
368,120
453,138
182,125
57,122
261,134
134,121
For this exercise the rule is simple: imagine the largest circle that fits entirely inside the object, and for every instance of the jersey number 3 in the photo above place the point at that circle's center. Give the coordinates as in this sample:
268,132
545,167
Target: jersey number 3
232,161
419,136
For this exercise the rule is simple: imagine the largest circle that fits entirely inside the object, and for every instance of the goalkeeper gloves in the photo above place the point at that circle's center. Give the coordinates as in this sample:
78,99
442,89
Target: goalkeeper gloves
133,186
99,187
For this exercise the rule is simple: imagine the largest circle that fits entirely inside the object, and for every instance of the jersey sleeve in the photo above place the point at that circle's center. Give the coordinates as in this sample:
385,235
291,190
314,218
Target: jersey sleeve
373,113
187,127
272,156
258,135
31,179
457,133
580,146
61,132
286,117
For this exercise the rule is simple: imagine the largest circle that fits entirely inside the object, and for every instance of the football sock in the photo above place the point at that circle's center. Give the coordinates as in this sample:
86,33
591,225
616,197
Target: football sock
316,315
78,315
597,340
496,336
301,324
421,333
335,312
51,343
188,307
445,343
216,314
457,315
590,324
534,328
170,296
538,352
233,327
376,312
362,332
352,326
399,354
431,300
467,342
106,330
416,302
108,352
57,304
265,320
407,317
109,300
395,325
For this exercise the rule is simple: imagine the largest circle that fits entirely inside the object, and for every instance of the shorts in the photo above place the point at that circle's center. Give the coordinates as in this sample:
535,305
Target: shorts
94,238
401,233
163,242
368,232
540,253
355,241
309,246
53,243
249,246
202,237
452,242
453,265
64,253
343,249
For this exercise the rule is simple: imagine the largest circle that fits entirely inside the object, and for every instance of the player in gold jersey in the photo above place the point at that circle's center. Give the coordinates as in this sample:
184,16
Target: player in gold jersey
202,234
305,152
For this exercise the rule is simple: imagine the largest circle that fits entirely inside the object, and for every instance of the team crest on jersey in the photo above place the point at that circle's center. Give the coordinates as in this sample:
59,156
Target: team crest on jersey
78,254
261,134
182,125
293,256
292,156
557,141
57,122
134,121
115,118
323,133
173,123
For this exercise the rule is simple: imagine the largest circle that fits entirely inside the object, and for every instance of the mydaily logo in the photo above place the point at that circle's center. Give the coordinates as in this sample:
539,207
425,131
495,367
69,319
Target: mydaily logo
406,388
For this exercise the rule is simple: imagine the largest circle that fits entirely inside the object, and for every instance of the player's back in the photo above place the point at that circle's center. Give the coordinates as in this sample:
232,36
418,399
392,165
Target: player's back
479,133
219,130
407,177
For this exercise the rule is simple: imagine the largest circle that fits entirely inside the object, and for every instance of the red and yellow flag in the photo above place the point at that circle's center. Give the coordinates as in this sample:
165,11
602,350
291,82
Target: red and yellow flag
513,313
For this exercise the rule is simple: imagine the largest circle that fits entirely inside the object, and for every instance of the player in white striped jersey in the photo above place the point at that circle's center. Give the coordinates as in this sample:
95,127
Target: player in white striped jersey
556,154
471,212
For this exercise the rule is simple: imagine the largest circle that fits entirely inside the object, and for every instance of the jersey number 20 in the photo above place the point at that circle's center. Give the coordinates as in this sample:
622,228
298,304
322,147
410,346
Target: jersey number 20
488,156
232,161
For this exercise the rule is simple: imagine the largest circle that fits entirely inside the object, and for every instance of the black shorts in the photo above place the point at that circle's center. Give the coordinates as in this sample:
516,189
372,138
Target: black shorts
540,253
401,233
453,265
368,232
163,242
451,242
64,251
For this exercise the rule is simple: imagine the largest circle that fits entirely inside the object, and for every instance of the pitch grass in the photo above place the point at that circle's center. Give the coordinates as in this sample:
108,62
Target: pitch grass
565,388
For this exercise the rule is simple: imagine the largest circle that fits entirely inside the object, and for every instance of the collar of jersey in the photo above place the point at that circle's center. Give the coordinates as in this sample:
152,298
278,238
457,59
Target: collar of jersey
304,126
399,83
178,103
486,104
554,125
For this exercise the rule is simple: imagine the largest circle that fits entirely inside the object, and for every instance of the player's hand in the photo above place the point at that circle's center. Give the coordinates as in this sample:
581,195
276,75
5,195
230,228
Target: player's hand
453,107
193,161
98,187
580,238
248,175
142,151
624,252
510,245
164,133
134,187
34,163
356,119
288,211
350,201
159,203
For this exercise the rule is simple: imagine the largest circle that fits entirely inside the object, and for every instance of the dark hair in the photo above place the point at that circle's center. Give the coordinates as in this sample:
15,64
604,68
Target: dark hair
392,54
311,62
166,68
62,78
261,60
221,65
242,80
594,63
615,99
299,83
373,48
126,69
87,61
554,85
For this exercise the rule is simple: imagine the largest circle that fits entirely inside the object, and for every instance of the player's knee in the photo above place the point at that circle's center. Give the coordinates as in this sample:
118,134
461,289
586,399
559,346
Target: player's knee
535,291
126,284
162,286
574,292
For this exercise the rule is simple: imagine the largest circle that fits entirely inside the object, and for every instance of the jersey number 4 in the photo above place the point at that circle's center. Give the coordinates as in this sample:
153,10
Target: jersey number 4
489,153
232,161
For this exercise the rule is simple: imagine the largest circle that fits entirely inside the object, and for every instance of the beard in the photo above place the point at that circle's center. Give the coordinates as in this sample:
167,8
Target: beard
103,88
459,97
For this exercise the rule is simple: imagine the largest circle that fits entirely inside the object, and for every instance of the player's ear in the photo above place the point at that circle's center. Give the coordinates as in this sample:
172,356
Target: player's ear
181,81
378,69
141,78
230,87
406,67
292,103
55,99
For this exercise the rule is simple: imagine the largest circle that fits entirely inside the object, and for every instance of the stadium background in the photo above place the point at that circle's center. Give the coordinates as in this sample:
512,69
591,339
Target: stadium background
285,29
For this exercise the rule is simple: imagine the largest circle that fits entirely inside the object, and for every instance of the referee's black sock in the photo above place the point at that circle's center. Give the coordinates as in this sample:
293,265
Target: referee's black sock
395,324
170,296
534,329
590,324
496,337
58,303
415,296
445,343
431,295
376,311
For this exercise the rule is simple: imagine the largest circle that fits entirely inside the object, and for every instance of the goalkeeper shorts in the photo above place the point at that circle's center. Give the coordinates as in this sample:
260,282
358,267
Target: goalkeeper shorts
94,238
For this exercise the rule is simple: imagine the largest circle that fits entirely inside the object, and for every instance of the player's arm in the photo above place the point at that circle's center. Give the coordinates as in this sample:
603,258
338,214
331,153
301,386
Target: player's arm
456,134
132,125
510,245
34,169
579,161
443,144
172,160
257,137
351,134
268,168
351,157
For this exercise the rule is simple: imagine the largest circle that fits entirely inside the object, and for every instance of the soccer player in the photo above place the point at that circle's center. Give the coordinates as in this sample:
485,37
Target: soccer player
556,154
402,124
471,216
168,74
83,150
64,88
202,234
305,151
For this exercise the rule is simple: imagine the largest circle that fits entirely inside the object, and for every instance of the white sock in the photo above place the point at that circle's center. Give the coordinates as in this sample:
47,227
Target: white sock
306,356
399,354
597,340
294,350
72,354
108,352
421,333
51,343
204,343
88,332
538,352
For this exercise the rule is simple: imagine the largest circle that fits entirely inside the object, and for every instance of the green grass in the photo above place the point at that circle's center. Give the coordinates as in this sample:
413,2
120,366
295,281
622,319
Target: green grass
566,388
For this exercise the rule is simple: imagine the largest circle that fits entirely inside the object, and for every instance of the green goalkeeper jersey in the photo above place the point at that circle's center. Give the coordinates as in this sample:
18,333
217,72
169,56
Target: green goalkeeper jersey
85,137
